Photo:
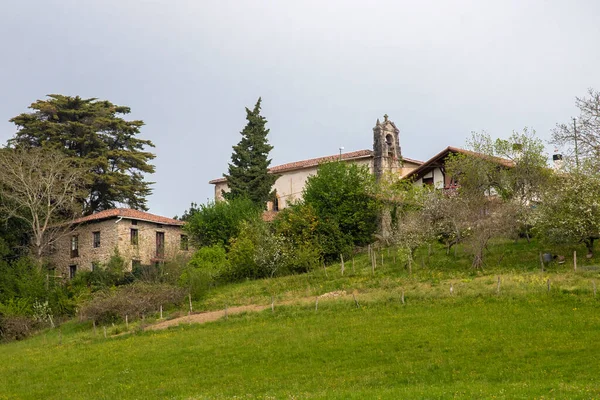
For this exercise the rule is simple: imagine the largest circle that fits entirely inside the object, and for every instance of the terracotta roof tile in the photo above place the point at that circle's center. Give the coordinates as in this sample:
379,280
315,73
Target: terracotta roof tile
129,214
312,162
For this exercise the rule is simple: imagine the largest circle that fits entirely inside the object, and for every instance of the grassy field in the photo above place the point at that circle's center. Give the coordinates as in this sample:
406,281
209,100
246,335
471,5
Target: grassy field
523,342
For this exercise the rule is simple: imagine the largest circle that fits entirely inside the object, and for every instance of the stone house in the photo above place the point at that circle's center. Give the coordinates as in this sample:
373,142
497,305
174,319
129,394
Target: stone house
384,158
140,238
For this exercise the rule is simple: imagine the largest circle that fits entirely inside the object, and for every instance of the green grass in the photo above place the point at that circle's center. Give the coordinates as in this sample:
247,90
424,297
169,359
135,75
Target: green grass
543,346
523,342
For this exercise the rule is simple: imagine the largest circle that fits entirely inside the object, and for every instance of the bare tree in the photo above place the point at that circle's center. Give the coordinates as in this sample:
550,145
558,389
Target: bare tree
581,137
39,187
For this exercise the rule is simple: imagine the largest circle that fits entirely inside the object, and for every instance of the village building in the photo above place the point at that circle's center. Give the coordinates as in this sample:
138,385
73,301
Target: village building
386,157
139,237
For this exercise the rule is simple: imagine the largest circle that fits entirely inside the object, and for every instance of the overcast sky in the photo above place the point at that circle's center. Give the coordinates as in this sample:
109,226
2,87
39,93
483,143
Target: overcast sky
326,70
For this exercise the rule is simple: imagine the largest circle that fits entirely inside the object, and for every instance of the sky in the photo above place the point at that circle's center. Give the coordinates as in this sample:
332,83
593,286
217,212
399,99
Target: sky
326,70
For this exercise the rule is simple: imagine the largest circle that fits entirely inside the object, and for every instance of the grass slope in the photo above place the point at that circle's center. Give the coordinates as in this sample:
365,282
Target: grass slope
524,342
536,346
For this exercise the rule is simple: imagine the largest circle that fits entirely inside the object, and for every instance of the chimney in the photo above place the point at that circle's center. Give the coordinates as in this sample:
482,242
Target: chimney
557,160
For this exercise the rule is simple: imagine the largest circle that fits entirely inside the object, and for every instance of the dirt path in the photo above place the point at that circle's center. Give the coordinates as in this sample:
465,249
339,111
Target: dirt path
209,316
204,317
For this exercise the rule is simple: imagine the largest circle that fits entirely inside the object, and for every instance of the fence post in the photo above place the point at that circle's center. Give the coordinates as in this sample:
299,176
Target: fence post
594,287
548,283
402,296
356,301
272,305
342,261
498,287
542,261
317,303
575,260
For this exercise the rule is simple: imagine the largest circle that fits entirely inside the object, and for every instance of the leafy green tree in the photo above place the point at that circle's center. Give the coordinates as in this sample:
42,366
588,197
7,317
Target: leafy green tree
569,211
343,198
92,133
215,223
248,174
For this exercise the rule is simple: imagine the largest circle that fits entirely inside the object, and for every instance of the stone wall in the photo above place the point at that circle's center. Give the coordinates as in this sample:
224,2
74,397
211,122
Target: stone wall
115,233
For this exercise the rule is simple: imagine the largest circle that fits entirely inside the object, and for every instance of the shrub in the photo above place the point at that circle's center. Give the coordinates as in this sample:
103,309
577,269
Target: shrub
133,300
215,223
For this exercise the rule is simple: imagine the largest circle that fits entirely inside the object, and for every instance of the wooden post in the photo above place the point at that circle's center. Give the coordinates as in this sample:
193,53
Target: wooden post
161,315
272,305
356,301
59,335
51,321
226,316
498,287
104,332
548,283
95,332
382,258
451,289
317,303
575,260
126,322
594,287
369,251
542,261
352,264
342,262
402,297
190,299
325,269
372,266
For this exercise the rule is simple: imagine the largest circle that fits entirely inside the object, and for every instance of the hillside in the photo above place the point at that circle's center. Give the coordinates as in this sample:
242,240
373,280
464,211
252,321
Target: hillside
525,340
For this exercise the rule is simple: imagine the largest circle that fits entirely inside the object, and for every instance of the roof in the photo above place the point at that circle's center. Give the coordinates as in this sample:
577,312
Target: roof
431,163
129,214
313,162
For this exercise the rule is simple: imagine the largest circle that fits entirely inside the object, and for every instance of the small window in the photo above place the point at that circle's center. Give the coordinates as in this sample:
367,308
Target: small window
74,246
134,237
428,181
183,244
134,222
72,271
96,239
159,226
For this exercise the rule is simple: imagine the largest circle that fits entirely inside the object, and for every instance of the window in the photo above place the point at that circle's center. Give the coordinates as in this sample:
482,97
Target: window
159,226
428,181
160,245
134,222
96,239
74,246
72,271
134,237
183,244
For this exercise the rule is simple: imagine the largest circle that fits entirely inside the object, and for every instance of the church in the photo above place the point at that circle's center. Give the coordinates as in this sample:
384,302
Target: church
386,157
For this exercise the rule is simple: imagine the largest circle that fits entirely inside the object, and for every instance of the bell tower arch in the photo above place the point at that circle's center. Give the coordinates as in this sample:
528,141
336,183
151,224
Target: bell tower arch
387,156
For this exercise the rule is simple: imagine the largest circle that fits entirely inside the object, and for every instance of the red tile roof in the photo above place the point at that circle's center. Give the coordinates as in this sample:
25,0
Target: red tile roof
128,213
312,162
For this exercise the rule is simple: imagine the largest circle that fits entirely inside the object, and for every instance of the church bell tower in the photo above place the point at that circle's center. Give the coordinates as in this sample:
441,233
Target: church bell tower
387,157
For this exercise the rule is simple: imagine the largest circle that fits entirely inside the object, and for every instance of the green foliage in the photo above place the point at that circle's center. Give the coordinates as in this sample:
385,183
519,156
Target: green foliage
215,223
248,175
207,266
342,196
93,134
569,212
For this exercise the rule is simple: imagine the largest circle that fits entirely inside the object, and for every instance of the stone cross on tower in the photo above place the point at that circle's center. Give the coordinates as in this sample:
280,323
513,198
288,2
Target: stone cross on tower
387,157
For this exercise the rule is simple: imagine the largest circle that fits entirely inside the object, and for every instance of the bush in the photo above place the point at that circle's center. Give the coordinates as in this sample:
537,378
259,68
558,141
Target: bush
216,223
133,300
206,267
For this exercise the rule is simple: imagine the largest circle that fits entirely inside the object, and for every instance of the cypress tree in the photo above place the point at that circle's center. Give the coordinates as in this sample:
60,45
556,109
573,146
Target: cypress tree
249,168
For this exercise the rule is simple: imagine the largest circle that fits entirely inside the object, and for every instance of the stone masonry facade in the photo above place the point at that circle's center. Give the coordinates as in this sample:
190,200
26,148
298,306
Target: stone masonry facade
140,238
